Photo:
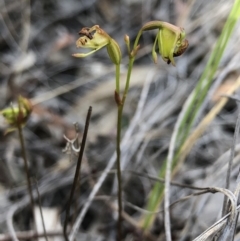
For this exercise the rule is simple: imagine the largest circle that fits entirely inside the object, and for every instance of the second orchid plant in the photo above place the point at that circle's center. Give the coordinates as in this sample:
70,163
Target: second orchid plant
170,41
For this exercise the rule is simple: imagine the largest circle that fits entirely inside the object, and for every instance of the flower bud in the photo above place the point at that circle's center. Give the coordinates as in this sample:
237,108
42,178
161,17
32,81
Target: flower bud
18,115
127,42
114,52
126,39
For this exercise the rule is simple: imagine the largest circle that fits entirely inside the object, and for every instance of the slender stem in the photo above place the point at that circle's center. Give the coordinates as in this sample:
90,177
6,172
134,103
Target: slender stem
41,213
118,78
77,172
119,129
118,150
119,177
21,139
118,145
137,39
130,66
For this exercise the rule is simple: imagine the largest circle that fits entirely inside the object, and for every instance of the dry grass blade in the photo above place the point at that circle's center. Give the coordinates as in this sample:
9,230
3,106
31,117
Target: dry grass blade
188,144
237,195
27,235
170,157
235,138
224,225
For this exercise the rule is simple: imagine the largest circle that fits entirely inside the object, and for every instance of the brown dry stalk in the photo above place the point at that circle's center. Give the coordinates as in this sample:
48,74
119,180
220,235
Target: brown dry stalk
77,172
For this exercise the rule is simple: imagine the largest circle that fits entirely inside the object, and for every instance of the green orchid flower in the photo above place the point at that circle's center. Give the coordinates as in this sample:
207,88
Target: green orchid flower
170,40
96,38
17,115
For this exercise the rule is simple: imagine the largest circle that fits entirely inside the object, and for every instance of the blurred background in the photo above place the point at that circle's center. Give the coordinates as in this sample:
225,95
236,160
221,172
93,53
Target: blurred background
37,40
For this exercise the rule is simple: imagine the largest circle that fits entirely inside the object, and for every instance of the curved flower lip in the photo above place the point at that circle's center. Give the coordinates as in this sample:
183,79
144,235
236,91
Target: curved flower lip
172,43
96,38
178,51
93,38
181,49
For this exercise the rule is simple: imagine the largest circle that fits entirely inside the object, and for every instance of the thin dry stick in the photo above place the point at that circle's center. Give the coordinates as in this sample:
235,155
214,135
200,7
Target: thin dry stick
155,178
225,230
167,220
28,235
237,194
26,22
76,125
77,173
235,137
237,191
216,227
205,191
41,213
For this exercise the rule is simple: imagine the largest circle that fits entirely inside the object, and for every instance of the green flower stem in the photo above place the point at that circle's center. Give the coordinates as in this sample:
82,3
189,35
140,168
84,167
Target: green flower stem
118,78
24,156
137,39
119,175
119,129
130,66
118,151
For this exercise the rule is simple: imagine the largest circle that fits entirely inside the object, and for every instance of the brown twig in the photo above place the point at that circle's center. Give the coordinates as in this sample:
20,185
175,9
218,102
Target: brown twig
77,172
78,193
